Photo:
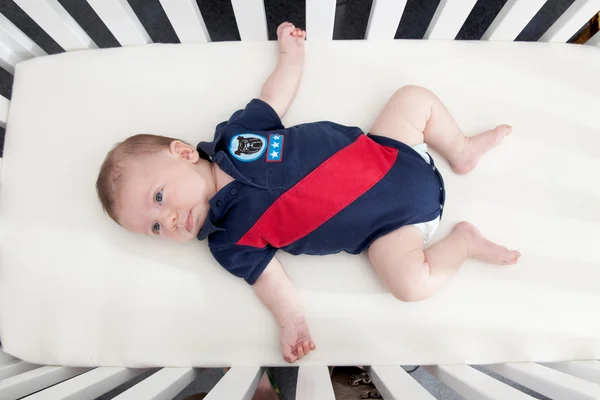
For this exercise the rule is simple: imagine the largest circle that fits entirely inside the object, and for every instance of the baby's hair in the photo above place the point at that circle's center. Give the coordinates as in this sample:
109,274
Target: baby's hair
116,162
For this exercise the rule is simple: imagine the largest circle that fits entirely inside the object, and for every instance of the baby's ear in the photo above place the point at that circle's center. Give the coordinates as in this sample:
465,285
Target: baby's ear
184,151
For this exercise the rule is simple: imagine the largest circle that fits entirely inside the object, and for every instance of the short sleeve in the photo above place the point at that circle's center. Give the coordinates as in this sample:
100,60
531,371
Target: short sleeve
257,116
244,261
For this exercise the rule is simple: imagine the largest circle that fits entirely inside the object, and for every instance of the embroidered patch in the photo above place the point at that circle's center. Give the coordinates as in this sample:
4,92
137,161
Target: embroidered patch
247,147
275,151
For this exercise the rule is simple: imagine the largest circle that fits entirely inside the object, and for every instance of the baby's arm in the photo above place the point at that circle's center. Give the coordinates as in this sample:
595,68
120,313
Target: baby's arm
278,293
280,88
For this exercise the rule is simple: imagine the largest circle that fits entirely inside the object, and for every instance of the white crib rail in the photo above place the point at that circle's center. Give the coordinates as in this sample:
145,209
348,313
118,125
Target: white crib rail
189,25
34,380
511,20
121,21
384,19
165,384
251,19
588,370
314,383
4,105
548,382
472,384
320,15
15,46
15,367
395,383
239,383
88,385
565,380
449,18
58,23
571,20
187,20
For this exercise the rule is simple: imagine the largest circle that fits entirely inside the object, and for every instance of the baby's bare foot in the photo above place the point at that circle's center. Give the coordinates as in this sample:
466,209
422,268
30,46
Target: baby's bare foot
481,248
476,146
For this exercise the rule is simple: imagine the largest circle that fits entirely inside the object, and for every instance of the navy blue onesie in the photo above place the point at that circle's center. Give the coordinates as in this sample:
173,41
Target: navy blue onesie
316,188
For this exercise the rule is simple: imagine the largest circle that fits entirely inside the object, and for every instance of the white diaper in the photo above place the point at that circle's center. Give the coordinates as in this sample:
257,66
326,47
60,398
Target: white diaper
427,228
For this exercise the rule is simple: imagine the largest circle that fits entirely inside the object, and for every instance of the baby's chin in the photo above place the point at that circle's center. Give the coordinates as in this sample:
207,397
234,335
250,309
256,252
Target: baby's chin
188,237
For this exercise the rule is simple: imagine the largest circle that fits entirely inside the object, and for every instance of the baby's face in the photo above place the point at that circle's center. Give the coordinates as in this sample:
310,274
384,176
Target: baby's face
166,194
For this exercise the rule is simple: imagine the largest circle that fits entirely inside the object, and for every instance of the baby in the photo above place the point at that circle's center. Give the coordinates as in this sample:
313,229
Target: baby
259,187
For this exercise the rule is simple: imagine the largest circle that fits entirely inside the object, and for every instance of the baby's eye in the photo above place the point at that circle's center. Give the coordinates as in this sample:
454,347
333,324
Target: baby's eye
158,197
156,228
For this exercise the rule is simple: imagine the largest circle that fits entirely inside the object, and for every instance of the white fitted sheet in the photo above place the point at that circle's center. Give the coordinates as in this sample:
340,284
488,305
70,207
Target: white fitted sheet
76,289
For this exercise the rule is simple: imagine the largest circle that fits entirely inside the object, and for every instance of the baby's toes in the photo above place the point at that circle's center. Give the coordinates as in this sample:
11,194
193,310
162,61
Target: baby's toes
511,257
312,345
504,129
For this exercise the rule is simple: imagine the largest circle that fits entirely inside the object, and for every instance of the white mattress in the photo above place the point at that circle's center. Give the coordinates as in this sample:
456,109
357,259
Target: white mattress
78,290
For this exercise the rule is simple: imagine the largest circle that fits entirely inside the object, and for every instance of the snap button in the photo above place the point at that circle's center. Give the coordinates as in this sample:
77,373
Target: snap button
233,191
433,168
441,206
219,203
441,188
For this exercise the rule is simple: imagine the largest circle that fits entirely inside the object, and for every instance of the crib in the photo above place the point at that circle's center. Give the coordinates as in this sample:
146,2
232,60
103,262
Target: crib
19,379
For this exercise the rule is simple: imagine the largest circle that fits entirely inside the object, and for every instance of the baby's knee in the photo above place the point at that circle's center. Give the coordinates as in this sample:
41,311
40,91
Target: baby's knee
412,92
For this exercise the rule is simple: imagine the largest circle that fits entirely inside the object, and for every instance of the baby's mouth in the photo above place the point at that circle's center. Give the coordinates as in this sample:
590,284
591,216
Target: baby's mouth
189,224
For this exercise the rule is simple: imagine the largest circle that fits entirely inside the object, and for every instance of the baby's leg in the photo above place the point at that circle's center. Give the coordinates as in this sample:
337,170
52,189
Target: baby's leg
414,274
415,115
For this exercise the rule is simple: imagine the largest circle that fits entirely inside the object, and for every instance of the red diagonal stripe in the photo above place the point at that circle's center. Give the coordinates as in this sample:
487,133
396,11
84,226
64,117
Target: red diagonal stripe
323,193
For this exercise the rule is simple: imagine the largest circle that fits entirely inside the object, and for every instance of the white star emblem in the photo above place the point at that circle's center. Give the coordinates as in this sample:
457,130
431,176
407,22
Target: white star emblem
274,154
276,137
275,145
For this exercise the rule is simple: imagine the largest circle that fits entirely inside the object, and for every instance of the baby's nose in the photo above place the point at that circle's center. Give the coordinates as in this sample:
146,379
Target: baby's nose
171,221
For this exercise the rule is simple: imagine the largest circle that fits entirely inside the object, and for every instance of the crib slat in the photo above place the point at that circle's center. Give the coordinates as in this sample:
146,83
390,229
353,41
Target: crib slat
384,19
547,381
15,46
15,367
8,57
4,106
34,380
119,18
88,385
239,383
449,18
187,20
165,384
571,21
4,357
594,40
314,383
588,370
511,20
57,23
395,383
22,44
473,384
320,15
251,19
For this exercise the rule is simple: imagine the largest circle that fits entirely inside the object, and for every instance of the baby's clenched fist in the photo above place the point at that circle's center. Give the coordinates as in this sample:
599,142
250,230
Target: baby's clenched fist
291,39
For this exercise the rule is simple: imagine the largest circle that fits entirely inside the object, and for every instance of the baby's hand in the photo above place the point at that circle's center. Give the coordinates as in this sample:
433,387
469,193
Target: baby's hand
291,39
295,340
